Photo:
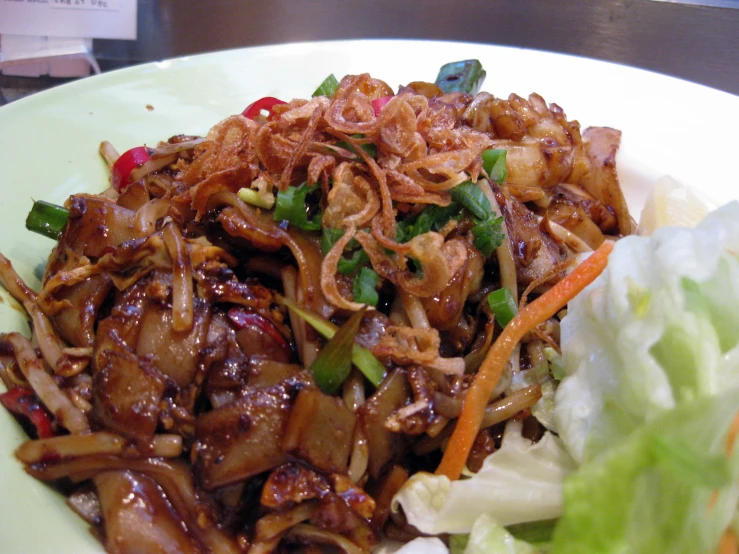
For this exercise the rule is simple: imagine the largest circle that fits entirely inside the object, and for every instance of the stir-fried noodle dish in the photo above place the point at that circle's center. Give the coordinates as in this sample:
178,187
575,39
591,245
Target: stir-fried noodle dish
250,341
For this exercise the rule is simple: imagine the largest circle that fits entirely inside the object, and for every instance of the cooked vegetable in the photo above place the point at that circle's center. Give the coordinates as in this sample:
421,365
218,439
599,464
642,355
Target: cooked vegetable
126,164
493,162
47,219
487,376
23,403
365,287
327,87
334,363
503,304
266,104
465,76
361,357
291,206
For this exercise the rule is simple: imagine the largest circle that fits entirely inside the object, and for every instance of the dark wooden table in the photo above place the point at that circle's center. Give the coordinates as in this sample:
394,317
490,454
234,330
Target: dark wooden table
697,40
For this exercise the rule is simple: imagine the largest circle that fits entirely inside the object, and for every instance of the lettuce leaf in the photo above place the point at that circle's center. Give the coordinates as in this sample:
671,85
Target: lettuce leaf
519,482
489,537
669,488
652,386
660,327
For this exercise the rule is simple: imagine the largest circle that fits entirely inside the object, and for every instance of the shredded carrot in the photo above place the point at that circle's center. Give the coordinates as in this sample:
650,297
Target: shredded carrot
733,431
729,543
538,311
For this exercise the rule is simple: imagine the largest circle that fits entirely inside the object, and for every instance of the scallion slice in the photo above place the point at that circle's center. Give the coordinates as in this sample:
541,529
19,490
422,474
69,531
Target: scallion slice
503,304
47,219
365,287
327,87
333,364
494,164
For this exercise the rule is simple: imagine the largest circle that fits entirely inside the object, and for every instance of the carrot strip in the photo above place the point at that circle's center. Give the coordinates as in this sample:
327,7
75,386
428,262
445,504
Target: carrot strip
729,543
538,311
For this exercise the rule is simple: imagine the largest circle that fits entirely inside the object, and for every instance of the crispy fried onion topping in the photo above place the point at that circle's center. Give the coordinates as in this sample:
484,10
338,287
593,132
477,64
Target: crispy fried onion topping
406,346
439,261
226,161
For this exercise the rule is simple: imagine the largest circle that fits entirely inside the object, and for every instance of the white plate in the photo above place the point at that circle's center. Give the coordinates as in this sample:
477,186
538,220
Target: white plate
49,143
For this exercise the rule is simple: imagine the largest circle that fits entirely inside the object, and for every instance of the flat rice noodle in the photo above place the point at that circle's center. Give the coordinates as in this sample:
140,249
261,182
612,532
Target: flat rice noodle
320,431
76,323
182,288
95,225
601,146
535,253
384,446
244,438
175,354
252,224
127,392
173,476
122,327
138,517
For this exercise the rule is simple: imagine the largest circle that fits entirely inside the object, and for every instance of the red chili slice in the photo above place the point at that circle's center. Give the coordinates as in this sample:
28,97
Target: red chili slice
260,333
267,103
379,103
125,164
23,402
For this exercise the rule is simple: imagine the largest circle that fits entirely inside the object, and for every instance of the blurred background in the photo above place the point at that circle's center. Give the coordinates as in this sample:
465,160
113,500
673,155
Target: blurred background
697,40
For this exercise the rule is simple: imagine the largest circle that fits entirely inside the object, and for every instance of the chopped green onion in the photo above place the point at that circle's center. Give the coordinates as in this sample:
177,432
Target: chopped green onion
370,148
465,76
471,197
346,266
47,219
365,361
365,287
493,162
251,196
327,87
488,235
291,207
334,363
503,304
432,218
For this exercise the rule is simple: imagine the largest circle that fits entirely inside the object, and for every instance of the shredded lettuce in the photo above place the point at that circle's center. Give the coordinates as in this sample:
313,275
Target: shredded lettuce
519,482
